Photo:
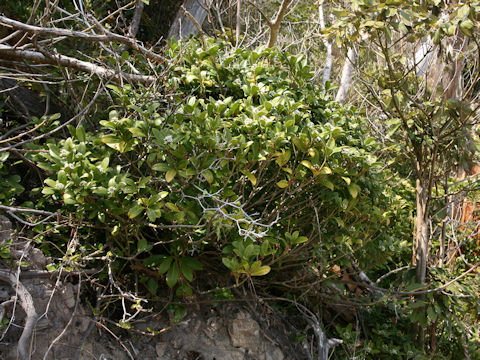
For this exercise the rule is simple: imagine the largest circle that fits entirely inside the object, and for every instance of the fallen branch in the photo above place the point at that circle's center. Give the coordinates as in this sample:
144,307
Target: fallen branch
26,301
9,52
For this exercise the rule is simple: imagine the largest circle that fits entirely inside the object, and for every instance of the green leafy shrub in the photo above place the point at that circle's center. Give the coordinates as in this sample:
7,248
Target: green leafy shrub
10,184
238,160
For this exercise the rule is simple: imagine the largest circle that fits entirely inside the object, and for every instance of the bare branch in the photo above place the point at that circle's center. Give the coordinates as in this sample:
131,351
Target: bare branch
107,37
82,112
238,21
277,21
273,24
137,16
260,11
181,28
197,25
8,52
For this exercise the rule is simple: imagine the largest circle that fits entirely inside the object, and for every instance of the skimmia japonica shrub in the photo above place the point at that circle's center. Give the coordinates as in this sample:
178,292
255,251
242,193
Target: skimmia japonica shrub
236,163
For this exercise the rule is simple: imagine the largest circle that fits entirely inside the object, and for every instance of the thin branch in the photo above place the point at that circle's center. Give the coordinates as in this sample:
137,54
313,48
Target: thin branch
82,112
238,21
27,210
197,25
260,11
107,37
8,52
328,46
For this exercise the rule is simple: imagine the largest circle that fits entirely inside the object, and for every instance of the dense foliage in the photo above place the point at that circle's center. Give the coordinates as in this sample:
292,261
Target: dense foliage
245,160
235,170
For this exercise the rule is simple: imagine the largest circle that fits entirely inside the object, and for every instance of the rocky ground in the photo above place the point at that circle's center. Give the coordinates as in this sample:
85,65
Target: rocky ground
64,327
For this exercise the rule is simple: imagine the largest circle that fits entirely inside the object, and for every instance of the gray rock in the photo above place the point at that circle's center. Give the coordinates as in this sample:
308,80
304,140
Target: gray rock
160,349
244,332
273,353
5,229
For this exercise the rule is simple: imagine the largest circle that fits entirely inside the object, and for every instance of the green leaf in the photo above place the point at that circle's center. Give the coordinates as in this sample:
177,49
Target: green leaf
135,210
137,132
353,189
192,263
208,175
152,215
80,132
152,286
158,197
306,163
161,167
110,139
170,175
328,184
104,164
50,182
172,275
346,179
4,156
187,272
172,207
143,245
464,11
62,177
282,184
153,260
257,270
250,177
465,27
300,240
165,265
432,315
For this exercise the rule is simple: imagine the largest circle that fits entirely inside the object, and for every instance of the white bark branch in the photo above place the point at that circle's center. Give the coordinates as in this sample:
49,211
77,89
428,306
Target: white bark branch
9,52
107,37
346,76
26,301
327,70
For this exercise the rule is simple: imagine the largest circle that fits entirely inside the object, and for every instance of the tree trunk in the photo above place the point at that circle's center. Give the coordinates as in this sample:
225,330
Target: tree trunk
328,47
182,26
275,23
346,76
421,231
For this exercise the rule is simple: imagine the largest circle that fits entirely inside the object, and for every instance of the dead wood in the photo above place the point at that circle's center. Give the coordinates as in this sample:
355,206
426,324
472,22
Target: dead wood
28,306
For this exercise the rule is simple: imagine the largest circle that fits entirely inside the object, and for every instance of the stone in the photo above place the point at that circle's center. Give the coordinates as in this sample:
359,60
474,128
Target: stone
160,349
36,259
68,296
5,229
273,353
244,332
